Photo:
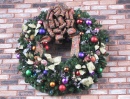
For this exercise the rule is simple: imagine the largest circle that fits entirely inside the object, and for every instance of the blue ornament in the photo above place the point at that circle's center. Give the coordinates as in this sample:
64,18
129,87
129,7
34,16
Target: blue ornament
42,31
107,40
81,55
45,72
51,92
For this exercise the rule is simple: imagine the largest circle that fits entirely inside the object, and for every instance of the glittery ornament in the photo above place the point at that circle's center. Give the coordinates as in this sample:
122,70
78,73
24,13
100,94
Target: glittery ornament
94,39
64,80
28,72
79,21
66,69
96,30
47,47
77,73
45,44
88,22
34,48
18,56
45,72
52,84
81,55
42,31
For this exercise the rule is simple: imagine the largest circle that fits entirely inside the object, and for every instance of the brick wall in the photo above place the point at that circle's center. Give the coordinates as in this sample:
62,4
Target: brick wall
115,17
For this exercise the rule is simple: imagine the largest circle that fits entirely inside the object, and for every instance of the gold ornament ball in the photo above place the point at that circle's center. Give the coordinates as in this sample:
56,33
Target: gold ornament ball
66,69
52,84
32,37
81,33
34,48
79,15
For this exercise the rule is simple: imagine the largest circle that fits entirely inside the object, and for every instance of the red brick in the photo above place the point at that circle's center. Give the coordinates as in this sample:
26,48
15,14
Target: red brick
125,52
31,10
117,91
17,87
126,31
99,91
22,5
119,47
107,12
5,45
93,12
15,10
3,87
3,10
116,16
73,4
126,21
98,7
108,21
124,97
108,2
8,93
9,50
112,63
116,7
10,61
6,25
117,80
116,69
6,35
117,27
2,20
14,30
34,97
91,2
6,15
89,97
49,97
22,15
31,1
123,63
57,0
109,74
4,77
107,97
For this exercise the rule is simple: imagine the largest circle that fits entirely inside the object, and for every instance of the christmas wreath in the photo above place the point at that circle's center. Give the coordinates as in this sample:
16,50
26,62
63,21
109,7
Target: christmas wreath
49,74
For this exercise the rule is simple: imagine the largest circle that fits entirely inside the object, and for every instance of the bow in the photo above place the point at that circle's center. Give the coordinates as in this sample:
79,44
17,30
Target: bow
55,61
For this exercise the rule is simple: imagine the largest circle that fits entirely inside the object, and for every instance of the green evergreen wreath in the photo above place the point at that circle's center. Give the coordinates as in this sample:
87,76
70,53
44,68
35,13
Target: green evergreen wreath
48,74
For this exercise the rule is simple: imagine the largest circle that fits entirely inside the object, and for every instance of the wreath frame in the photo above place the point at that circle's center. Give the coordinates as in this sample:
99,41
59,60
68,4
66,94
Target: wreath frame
64,77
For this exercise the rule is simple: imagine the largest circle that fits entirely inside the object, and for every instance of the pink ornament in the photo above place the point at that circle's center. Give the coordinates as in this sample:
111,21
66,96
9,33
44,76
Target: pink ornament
96,30
98,52
44,62
39,22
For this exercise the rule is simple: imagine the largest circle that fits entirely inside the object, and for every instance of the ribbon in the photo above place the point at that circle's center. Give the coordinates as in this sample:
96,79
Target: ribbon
87,81
55,61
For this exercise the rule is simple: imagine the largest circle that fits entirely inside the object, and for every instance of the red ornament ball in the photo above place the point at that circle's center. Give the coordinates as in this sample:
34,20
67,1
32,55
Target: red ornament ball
45,44
77,73
79,21
62,87
94,39
47,47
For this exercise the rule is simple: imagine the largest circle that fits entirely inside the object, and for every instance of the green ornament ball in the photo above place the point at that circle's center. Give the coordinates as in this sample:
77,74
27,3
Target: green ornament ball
100,70
28,72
